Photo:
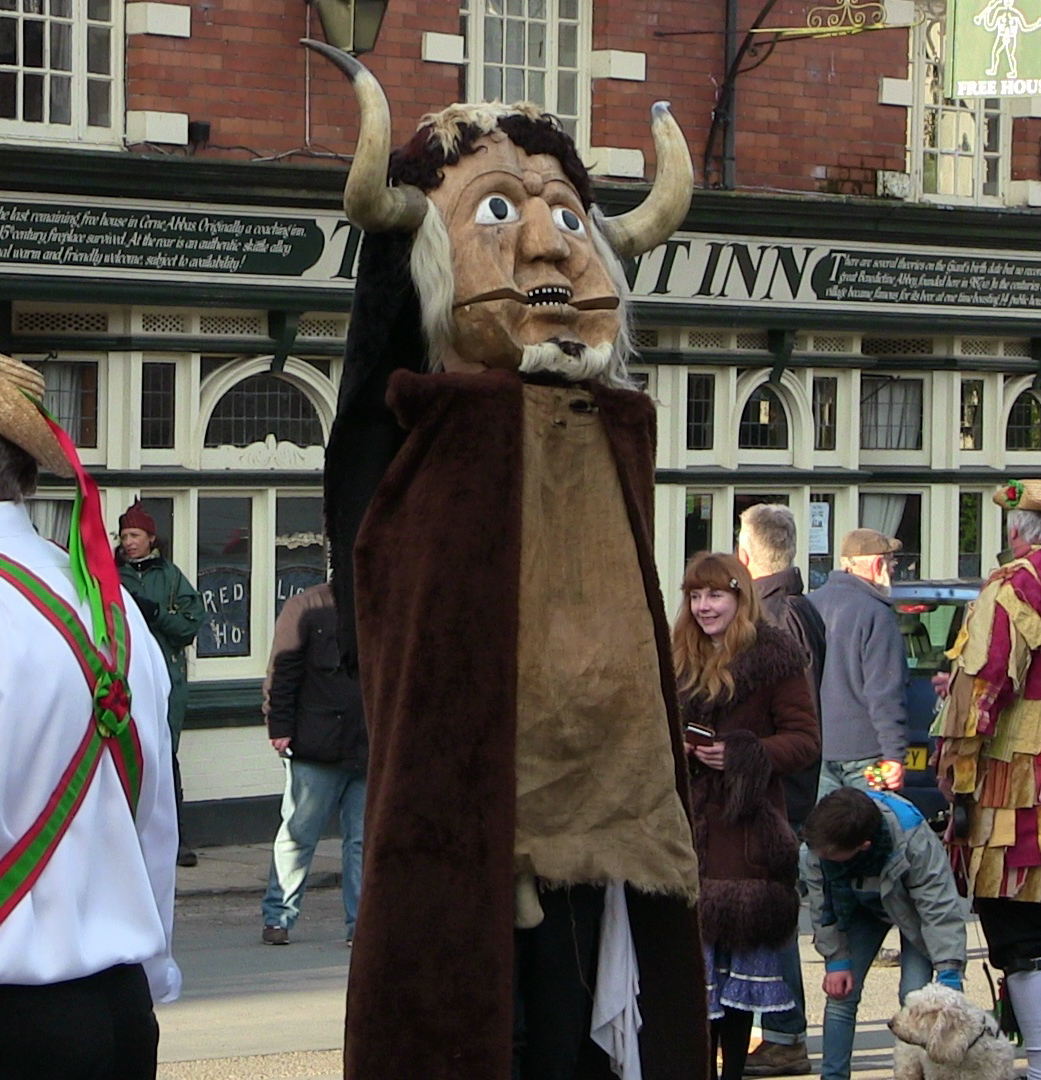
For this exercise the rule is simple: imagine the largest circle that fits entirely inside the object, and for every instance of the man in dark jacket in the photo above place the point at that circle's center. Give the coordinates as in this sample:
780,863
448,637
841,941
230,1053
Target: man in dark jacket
864,686
315,722
173,610
767,545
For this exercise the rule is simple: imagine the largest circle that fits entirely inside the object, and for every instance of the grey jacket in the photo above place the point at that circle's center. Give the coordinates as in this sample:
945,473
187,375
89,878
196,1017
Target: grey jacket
864,685
917,890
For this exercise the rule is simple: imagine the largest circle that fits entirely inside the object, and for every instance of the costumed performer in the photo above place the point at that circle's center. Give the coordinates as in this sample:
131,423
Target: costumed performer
491,471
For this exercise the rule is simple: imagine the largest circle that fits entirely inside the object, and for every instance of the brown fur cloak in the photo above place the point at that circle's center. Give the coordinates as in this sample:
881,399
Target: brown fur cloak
436,585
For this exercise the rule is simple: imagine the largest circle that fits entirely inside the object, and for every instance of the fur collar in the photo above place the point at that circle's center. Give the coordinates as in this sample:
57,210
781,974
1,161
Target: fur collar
773,657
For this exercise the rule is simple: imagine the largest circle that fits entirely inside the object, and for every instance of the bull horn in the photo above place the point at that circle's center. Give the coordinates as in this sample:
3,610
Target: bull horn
368,200
662,212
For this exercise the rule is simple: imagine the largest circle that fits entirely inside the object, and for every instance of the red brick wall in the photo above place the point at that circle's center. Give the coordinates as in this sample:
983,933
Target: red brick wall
244,71
807,118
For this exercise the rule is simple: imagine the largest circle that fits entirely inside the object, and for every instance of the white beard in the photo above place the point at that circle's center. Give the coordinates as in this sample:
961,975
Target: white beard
591,363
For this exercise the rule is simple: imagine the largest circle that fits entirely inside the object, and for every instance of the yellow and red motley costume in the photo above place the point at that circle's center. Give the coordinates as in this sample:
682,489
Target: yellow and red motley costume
991,732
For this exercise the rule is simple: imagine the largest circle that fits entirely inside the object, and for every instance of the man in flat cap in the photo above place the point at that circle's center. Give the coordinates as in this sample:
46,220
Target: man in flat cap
864,684
88,831
990,756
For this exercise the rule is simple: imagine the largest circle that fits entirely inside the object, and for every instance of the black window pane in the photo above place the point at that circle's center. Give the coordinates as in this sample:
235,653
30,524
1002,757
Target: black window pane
299,546
1024,424
158,404
764,425
224,549
32,104
264,405
972,414
825,394
8,41
701,390
32,43
8,95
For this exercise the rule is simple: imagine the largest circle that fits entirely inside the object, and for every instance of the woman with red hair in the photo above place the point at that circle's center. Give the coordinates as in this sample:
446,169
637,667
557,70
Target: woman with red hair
750,720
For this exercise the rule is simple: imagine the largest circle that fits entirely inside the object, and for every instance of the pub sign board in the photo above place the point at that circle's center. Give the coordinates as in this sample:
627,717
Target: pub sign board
993,48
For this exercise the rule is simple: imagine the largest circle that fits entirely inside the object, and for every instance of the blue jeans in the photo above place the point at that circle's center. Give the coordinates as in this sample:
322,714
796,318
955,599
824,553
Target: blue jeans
312,793
788,1027
837,774
864,938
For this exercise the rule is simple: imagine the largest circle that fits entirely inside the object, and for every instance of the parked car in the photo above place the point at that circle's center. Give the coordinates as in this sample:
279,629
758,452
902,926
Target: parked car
931,613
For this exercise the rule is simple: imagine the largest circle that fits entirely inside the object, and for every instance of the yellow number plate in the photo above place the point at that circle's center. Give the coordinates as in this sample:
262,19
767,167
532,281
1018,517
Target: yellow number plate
917,758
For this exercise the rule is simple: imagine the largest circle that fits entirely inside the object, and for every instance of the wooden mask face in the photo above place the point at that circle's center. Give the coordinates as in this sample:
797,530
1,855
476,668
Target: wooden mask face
526,271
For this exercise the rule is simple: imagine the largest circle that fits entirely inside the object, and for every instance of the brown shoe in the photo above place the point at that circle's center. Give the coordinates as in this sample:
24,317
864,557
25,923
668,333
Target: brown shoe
777,1059
275,935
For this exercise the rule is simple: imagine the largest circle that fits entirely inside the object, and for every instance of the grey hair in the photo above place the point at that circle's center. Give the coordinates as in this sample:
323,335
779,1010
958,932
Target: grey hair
1027,523
770,535
430,263
19,472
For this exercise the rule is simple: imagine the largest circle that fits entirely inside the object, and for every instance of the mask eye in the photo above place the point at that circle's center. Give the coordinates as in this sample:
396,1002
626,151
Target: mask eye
568,221
496,210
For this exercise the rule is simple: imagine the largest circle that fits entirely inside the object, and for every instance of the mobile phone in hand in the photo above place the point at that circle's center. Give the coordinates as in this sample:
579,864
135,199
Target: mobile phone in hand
699,735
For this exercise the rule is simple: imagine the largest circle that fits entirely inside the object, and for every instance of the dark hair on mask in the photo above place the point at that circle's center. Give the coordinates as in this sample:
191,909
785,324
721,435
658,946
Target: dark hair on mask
421,161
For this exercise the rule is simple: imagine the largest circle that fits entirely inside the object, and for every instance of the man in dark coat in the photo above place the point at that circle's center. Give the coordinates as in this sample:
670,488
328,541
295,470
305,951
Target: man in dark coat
528,841
767,546
315,722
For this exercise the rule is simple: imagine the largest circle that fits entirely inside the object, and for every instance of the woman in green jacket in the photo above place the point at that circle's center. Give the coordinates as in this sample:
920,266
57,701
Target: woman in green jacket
173,610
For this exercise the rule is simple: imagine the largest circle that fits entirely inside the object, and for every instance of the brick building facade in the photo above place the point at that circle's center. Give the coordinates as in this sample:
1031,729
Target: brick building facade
846,320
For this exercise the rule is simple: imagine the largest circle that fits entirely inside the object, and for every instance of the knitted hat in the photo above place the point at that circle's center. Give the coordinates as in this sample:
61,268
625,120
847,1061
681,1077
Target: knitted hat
136,517
21,419
868,542
1019,495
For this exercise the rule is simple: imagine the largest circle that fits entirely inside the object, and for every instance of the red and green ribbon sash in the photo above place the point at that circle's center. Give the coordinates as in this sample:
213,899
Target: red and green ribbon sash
110,727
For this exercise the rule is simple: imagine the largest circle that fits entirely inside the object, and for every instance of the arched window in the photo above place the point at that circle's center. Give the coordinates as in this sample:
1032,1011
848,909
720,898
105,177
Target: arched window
764,424
263,405
1024,423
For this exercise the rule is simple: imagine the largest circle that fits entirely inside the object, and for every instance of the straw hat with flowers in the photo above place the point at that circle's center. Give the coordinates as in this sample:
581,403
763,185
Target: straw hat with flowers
22,420
1019,495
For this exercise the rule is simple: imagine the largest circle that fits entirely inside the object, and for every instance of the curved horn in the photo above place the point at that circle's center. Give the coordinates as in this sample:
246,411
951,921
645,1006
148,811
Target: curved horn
662,212
369,202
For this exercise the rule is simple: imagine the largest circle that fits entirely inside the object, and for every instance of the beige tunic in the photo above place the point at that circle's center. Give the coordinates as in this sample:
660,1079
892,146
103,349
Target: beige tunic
596,789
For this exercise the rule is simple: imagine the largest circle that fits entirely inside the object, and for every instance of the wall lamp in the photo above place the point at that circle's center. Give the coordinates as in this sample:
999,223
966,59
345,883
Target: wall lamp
351,25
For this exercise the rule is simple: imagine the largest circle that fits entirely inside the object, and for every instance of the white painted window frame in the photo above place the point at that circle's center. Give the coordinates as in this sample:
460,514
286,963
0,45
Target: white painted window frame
472,17
926,36
78,133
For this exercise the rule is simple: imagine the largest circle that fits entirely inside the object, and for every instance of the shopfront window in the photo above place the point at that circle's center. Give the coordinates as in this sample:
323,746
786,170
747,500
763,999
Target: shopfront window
764,423
1024,423
890,413
899,515
158,405
970,511
225,575
51,518
972,414
701,403
822,538
263,405
71,398
698,523
299,547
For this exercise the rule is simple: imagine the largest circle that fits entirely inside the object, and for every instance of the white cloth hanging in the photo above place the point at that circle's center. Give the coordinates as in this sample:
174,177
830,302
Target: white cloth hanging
616,1015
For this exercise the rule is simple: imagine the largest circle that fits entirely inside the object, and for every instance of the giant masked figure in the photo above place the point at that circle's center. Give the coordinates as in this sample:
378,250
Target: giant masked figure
528,900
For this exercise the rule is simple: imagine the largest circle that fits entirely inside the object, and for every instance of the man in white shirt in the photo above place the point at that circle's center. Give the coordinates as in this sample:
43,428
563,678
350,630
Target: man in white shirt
88,829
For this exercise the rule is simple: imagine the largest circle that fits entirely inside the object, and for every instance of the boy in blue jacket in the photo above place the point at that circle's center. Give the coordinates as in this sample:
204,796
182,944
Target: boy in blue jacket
875,863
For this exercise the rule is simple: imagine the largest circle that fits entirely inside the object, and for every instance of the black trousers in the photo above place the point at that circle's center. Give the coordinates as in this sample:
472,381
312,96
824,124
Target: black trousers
100,1027
554,976
1012,929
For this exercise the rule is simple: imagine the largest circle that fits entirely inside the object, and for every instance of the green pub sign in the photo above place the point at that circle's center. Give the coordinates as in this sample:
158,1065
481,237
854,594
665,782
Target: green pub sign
993,48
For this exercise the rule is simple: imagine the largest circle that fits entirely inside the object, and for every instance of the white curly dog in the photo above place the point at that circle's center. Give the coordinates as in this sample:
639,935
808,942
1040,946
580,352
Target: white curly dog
942,1035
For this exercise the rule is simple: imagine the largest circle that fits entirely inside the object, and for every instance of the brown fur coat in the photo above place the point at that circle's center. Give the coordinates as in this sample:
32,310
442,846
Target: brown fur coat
748,853
437,580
